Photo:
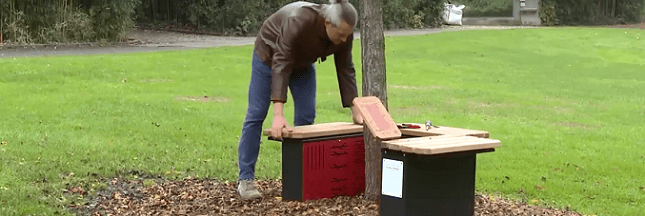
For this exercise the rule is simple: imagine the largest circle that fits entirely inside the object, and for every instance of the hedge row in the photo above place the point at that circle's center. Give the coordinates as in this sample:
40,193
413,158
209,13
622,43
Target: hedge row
486,8
50,21
591,12
47,21
244,16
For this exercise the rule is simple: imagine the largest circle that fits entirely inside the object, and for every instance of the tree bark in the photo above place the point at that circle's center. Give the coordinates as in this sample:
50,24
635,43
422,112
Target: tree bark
613,9
373,62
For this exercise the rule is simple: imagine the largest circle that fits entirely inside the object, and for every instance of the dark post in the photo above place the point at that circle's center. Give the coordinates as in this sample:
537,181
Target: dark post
373,56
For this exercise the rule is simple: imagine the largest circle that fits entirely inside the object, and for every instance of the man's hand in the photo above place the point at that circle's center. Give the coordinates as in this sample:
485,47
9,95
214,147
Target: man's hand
356,116
279,122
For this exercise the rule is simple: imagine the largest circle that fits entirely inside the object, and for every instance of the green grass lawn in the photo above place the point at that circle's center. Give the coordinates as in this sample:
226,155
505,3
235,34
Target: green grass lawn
567,104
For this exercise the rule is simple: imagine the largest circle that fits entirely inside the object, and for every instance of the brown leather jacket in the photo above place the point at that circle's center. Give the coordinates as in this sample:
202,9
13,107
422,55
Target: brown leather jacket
295,37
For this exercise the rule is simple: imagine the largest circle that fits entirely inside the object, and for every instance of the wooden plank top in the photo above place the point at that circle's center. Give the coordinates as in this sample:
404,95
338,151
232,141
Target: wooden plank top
441,130
376,118
442,144
319,130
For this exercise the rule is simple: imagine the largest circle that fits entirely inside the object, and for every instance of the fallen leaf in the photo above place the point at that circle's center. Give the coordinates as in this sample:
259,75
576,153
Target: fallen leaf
131,197
540,187
76,190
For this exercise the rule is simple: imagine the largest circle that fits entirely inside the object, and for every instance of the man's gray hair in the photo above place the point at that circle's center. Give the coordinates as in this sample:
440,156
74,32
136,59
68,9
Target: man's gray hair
339,10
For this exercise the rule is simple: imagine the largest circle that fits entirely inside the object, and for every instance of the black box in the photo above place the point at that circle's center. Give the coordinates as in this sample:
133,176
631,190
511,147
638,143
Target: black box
431,185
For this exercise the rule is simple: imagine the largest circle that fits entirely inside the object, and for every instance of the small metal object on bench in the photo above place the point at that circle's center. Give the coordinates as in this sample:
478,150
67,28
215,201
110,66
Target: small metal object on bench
440,130
404,126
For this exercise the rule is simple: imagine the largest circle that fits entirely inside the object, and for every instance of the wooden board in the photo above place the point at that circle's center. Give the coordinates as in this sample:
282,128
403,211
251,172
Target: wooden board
441,130
441,144
319,130
398,143
376,118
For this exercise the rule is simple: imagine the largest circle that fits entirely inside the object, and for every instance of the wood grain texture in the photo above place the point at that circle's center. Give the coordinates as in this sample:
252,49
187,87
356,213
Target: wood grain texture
397,143
441,130
441,144
376,118
463,145
319,130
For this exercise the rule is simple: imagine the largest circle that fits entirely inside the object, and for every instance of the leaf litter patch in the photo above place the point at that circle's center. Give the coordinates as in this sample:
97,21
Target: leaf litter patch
211,197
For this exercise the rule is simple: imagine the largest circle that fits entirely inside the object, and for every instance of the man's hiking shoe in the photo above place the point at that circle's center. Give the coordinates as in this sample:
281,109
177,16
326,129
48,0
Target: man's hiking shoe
246,189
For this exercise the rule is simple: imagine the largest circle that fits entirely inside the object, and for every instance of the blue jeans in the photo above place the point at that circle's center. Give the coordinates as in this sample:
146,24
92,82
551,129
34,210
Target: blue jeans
302,85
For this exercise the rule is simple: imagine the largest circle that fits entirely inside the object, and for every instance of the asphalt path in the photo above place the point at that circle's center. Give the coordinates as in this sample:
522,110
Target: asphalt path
153,40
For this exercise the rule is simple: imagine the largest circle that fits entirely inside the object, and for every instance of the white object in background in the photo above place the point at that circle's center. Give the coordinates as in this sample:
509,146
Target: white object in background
446,12
456,13
392,178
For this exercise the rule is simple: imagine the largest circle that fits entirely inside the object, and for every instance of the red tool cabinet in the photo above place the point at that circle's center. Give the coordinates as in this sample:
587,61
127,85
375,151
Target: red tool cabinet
323,167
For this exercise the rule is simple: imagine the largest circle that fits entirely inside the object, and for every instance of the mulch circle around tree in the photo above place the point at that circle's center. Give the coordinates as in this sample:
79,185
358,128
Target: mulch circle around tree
209,197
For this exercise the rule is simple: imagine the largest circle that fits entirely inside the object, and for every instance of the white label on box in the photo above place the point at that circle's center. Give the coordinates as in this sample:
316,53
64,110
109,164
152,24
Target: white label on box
392,178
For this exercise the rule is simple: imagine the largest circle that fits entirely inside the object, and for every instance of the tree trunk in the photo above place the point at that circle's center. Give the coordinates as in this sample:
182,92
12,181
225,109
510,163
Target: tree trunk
613,9
373,56
154,10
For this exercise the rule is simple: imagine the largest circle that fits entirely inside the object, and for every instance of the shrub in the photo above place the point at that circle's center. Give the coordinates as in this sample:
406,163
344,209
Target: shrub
241,17
45,21
548,13
74,26
112,19
15,29
591,12
78,26
487,8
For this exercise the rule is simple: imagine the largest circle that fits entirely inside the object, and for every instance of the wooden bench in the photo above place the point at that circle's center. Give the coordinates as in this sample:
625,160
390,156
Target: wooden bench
434,145
310,151
429,171
424,171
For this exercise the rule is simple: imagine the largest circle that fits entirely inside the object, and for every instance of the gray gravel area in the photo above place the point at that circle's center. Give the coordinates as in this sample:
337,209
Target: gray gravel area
153,40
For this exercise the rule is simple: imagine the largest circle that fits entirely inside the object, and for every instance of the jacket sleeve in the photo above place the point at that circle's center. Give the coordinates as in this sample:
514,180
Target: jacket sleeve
346,73
282,58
